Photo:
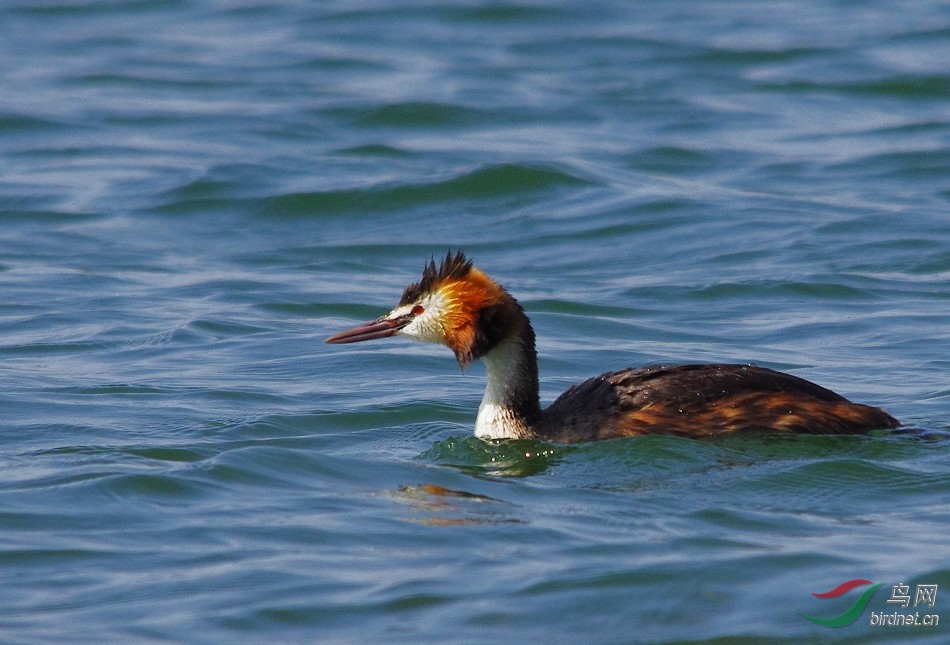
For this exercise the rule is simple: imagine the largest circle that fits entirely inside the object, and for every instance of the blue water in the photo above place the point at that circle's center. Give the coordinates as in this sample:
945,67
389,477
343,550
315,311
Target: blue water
194,195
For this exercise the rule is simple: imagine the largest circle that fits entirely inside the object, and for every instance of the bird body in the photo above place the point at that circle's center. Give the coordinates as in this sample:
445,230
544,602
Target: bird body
457,305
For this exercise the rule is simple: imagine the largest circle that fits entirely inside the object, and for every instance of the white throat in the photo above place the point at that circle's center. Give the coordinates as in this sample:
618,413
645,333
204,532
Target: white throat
496,417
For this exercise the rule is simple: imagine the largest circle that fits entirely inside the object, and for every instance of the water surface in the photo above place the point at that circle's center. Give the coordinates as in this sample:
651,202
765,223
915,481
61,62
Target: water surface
196,194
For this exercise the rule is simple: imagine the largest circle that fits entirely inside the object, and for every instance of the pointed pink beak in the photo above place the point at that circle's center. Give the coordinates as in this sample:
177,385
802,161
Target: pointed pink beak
379,328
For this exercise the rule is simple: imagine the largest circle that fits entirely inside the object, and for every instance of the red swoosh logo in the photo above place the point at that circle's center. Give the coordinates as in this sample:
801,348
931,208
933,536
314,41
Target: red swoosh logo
843,588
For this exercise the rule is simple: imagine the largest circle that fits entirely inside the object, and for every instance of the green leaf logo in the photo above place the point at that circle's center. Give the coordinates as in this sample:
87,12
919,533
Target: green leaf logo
854,612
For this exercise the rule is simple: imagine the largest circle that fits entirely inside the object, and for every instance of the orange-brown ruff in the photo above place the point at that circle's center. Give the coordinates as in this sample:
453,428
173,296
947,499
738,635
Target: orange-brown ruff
459,306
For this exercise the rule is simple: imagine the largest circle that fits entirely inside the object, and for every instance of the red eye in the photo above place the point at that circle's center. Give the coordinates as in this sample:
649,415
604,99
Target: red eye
418,309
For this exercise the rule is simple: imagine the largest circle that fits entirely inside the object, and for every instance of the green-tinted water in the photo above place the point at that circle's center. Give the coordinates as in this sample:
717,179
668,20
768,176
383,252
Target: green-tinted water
195,195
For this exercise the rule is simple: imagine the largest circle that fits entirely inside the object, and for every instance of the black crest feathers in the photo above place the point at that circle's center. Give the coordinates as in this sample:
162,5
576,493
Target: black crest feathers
454,266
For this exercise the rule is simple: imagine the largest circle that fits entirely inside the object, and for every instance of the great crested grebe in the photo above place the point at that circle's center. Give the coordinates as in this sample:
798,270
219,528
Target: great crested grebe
457,305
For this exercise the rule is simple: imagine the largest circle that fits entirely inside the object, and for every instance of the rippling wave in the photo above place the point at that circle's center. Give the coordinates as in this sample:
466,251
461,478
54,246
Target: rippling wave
196,195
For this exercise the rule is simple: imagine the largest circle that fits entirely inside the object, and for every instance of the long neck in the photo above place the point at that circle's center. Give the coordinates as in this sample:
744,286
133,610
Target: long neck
511,407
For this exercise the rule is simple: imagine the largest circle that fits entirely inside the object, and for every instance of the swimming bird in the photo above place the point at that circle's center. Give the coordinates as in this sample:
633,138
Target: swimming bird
457,305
